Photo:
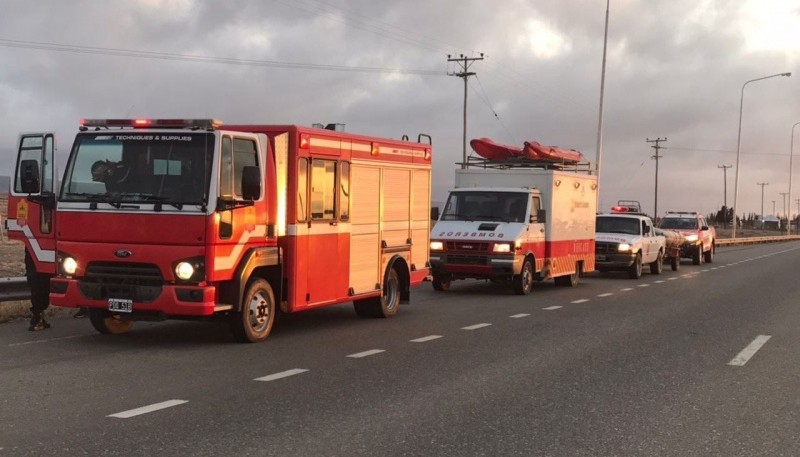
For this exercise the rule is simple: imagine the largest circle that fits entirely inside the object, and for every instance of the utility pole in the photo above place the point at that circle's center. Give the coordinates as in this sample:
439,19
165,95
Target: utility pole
658,146
798,214
783,208
725,193
762,184
465,63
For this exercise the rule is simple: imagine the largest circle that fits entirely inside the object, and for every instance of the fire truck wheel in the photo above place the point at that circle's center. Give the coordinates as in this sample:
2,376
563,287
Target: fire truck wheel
441,283
254,322
106,323
635,270
387,304
523,282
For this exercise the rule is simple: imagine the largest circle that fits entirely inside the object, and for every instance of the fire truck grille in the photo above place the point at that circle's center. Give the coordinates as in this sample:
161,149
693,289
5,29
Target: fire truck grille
467,252
602,247
139,282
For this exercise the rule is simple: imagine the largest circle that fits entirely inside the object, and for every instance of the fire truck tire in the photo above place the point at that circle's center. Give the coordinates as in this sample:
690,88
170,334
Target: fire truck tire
635,270
697,256
108,324
387,304
254,322
441,283
523,282
570,280
658,265
709,256
675,262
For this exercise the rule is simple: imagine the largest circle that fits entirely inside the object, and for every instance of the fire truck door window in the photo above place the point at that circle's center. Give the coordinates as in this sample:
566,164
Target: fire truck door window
31,148
323,189
226,168
302,189
244,155
344,198
47,169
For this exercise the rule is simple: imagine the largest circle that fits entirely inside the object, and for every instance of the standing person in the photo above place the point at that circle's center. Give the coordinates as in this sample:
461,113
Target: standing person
39,285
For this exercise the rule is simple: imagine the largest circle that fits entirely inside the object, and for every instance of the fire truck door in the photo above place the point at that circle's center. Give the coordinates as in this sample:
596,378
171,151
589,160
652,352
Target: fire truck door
31,204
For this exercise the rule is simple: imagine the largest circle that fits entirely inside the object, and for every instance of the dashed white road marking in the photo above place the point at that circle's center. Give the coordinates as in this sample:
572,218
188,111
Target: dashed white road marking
148,409
749,351
607,294
672,279
551,308
476,326
627,289
703,271
644,285
517,316
281,375
426,338
582,300
658,282
359,355
686,276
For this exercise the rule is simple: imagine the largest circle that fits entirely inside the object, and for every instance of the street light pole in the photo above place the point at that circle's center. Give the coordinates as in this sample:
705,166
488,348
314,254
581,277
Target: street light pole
791,153
738,149
762,184
600,120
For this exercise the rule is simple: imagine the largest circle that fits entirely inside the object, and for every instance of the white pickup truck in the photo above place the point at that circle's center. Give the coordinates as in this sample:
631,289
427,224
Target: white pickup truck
626,242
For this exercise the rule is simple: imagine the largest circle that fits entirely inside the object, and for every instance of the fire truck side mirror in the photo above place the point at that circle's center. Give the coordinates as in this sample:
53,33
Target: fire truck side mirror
434,213
29,176
251,183
541,216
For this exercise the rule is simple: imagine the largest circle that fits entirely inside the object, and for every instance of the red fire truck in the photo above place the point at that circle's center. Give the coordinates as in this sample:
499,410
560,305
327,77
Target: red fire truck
191,219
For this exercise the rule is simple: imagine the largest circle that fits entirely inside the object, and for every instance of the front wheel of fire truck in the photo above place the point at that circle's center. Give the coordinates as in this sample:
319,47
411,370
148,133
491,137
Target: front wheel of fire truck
109,324
523,282
387,304
254,322
441,283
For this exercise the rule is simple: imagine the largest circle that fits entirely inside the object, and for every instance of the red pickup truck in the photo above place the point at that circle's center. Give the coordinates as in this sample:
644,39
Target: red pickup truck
699,239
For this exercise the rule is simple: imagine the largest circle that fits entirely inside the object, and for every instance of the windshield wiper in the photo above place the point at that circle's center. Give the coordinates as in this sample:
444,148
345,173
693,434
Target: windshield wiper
158,201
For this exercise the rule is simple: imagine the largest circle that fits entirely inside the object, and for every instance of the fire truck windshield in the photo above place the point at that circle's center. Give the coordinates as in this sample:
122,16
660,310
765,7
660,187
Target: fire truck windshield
140,167
486,206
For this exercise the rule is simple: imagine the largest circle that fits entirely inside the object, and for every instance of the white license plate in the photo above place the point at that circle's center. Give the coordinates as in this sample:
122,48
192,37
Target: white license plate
601,258
120,305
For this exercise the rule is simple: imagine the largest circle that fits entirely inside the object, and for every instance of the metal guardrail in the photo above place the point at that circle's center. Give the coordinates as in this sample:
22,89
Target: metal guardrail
14,289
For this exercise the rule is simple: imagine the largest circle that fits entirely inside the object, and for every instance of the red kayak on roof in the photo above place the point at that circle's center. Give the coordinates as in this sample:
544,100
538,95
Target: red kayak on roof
536,151
490,150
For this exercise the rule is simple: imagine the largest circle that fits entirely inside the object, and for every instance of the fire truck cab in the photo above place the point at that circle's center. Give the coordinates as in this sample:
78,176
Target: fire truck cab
160,219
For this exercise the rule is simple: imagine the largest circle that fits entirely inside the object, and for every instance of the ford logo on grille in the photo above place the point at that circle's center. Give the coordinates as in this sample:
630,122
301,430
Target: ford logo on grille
123,253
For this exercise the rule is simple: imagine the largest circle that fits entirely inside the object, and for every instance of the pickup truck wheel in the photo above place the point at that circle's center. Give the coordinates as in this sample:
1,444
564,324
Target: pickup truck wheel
254,322
697,255
635,270
441,283
658,265
523,282
709,256
108,324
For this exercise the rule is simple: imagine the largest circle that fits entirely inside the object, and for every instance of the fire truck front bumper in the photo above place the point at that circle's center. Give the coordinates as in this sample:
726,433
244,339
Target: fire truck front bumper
167,299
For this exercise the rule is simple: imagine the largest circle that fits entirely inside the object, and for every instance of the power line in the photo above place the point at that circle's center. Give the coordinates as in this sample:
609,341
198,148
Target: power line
119,52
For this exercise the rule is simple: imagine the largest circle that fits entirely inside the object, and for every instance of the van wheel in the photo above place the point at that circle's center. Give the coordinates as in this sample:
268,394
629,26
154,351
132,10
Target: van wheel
570,280
441,283
387,304
523,282
109,324
255,320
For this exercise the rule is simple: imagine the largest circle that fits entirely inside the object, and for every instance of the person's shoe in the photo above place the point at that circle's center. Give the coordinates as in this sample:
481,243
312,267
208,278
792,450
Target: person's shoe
82,312
38,323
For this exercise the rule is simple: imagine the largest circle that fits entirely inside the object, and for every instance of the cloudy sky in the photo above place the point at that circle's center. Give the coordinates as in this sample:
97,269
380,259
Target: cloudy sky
675,69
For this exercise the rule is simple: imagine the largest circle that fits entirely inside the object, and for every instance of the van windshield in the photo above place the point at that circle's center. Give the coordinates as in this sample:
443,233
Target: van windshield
486,206
140,167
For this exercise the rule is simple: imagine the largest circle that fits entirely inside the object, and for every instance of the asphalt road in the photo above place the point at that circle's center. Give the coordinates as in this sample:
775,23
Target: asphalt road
699,362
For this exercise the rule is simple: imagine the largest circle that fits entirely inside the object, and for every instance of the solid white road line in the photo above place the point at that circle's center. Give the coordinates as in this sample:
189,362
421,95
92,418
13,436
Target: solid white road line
551,308
426,338
749,351
148,409
608,294
517,316
281,375
476,326
359,355
582,300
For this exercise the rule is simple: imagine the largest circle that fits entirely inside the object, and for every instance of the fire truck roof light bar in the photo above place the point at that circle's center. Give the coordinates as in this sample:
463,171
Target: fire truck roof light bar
205,124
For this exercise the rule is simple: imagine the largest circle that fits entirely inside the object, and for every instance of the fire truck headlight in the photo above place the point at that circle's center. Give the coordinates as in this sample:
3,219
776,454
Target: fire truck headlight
502,247
437,246
624,247
184,271
69,265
